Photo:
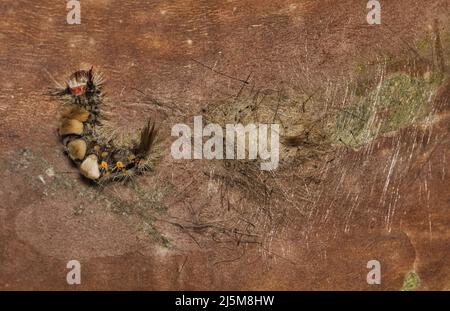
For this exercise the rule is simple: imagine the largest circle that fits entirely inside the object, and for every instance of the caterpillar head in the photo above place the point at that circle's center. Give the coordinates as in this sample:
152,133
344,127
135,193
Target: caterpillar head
82,87
83,82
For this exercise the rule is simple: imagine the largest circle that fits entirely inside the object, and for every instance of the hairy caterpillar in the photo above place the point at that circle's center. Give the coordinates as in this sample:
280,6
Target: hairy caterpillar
98,158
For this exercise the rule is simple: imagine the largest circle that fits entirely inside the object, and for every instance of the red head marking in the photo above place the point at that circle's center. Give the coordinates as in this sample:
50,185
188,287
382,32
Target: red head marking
78,90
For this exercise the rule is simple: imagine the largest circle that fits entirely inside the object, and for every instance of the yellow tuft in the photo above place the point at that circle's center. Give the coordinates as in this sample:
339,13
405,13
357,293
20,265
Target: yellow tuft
71,126
77,149
119,164
75,112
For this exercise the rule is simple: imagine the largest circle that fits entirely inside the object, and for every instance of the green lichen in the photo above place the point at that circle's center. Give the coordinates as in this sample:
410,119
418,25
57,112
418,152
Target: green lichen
411,282
157,235
396,103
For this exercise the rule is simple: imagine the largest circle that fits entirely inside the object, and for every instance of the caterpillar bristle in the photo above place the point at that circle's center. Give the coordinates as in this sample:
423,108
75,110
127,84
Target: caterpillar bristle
147,139
119,177
110,158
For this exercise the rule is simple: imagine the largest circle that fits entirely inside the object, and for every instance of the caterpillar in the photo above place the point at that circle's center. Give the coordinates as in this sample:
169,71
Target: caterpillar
98,158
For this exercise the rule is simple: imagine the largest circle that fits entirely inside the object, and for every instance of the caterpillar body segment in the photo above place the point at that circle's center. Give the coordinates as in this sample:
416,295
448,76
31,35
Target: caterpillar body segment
98,157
